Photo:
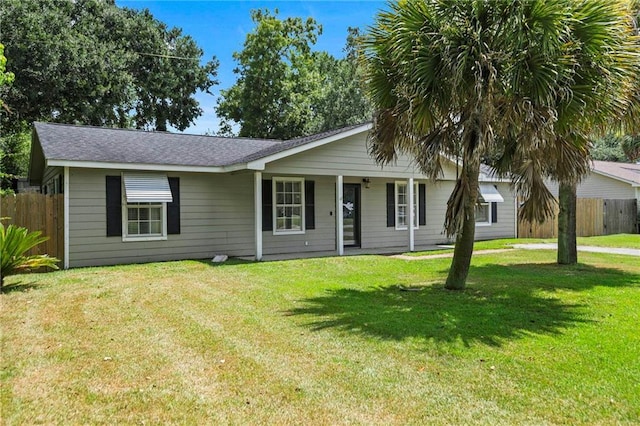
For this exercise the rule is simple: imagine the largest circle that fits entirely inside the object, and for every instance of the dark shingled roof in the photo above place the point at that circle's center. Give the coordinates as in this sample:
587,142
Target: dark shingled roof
85,143
100,144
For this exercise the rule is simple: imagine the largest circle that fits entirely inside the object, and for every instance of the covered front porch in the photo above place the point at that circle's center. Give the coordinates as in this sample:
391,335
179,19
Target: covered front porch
354,212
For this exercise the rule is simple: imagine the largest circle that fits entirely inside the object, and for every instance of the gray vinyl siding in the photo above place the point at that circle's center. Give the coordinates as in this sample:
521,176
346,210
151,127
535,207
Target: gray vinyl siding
323,237
216,218
597,186
348,157
376,234
49,175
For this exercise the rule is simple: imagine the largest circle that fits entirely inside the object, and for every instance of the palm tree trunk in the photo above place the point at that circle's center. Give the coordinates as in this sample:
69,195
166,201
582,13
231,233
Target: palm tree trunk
457,278
567,246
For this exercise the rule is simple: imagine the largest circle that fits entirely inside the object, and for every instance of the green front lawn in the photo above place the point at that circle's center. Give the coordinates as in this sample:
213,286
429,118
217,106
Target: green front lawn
326,341
617,240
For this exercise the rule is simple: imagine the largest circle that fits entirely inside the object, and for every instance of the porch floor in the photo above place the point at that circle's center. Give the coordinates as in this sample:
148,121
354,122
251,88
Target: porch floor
348,251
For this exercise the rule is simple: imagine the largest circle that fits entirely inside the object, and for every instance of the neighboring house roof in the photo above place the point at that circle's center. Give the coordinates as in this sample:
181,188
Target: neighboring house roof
625,172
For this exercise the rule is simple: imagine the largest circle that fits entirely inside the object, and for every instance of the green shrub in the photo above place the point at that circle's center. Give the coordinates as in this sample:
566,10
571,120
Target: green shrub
15,241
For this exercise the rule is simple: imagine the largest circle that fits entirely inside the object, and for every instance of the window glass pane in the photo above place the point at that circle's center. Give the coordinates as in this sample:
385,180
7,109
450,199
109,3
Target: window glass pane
155,227
144,213
288,198
155,213
279,186
280,212
296,223
296,186
402,215
288,186
279,198
297,198
482,213
133,213
132,228
280,222
144,228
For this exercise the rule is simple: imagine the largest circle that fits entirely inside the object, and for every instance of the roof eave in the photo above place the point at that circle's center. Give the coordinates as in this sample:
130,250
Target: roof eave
37,161
621,179
146,167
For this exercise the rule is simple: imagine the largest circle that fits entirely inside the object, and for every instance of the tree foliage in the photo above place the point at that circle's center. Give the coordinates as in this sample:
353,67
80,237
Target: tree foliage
631,147
6,77
519,79
14,157
342,98
284,89
608,148
90,62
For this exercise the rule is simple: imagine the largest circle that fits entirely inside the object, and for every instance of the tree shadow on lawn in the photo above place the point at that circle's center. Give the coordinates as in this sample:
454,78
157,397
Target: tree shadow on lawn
20,286
501,303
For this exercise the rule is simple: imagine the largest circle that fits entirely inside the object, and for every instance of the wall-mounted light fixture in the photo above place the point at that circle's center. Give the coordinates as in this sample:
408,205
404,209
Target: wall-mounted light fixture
367,182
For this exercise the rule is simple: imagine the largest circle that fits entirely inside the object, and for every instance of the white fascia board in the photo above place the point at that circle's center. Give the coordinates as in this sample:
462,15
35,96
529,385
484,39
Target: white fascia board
261,163
146,167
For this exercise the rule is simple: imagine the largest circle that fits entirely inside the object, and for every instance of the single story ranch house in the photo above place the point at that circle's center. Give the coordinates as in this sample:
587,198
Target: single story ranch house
133,196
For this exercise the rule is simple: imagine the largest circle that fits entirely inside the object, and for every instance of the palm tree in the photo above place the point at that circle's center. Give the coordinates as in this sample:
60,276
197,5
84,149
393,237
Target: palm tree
485,79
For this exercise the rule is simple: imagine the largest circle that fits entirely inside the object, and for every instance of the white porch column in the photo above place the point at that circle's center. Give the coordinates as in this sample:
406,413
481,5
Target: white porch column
339,217
65,185
411,214
257,197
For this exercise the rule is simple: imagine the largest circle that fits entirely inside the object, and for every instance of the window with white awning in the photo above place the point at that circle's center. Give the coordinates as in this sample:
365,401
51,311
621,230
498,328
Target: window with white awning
147,188
489,194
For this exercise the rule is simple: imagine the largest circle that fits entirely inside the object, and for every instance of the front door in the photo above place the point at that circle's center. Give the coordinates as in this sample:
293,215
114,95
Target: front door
351,214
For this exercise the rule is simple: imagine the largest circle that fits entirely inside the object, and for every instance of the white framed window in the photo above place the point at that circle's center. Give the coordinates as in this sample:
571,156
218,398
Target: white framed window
288,205
402,203
483,214
488,195
146,220
144,207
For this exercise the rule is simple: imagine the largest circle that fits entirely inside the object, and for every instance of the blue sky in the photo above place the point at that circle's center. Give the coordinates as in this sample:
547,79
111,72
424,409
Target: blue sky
220,28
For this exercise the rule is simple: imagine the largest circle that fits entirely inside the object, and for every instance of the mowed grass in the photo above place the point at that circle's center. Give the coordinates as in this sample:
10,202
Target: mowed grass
631,241
326,341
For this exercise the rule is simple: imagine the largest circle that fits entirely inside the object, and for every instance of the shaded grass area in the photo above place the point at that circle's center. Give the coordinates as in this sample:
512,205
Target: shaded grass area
326,341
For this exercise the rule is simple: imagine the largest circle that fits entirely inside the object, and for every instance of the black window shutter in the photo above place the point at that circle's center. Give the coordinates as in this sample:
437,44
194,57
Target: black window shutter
391,205
422,204
309,204
173,208
114,206
267,205
494,212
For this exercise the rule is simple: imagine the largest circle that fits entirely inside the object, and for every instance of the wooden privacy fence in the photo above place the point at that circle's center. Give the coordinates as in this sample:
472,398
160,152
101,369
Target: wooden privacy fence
37,212
594,216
